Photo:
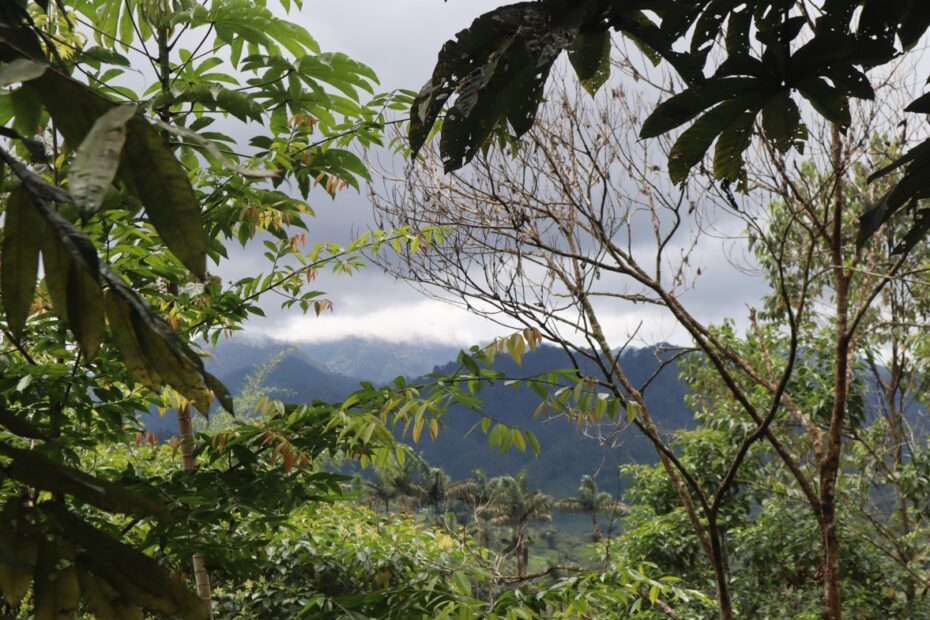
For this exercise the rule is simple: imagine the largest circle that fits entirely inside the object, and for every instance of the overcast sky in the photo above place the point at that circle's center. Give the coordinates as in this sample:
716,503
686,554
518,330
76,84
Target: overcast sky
400,40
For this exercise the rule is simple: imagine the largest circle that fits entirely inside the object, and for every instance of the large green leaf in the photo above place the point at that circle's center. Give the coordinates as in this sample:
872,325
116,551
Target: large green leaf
19,549
781,121
148,168
828,100
19,258
76,296
590,57
119,315
155,351
728,155
85,311
102,598
56,592
691,145
681,108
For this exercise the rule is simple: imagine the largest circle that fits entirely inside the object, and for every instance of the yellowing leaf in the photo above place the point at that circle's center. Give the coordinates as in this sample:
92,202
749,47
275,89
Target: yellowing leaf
20,70
19,258
98,157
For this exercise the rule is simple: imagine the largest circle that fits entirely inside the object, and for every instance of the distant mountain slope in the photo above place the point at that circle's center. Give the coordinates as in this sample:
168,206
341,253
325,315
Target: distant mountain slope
567,453
374,360
307,372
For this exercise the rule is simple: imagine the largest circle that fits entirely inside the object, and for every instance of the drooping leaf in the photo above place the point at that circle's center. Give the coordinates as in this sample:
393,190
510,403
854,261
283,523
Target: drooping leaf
97,159
148,168
781,120
103,600
56,592
78,245
85,311
681,108
694,142
137,577
150,171
119,315
915,234
164,357
829,101
728,155
20,70
19,258
19,549
56,267
590,57
32,468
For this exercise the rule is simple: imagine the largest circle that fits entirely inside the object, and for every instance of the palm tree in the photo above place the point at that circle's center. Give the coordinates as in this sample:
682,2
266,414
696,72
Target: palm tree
475,494
433,491
594,502
514,505
396,481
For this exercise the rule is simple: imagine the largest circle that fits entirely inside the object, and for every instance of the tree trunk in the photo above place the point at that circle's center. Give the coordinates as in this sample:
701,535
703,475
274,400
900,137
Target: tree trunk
721,569
830,461
201,576
596,528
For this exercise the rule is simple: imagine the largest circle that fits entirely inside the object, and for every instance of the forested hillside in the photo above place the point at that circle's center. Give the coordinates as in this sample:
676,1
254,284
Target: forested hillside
567,453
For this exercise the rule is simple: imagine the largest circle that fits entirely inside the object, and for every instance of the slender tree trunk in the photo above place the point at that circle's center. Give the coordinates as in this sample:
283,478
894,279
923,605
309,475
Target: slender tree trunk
896,429
830,463
185,422
596,535
721,568
201,576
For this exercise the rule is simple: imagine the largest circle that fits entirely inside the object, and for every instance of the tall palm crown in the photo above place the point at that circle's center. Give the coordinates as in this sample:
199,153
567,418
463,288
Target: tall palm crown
513,504
591,500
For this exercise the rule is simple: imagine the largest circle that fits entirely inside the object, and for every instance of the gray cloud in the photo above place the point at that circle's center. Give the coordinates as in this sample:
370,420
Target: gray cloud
400,40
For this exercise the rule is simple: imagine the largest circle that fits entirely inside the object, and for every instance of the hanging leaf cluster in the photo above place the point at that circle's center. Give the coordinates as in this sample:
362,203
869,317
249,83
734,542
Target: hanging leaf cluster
770,55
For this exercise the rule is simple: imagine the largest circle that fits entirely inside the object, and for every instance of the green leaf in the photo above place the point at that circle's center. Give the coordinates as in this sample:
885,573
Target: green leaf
148,167
98,157
19,548
122,329
590,56
151,172
85,311
691,145
830,102
728,156
781,121
533,441
27,110
19,258
681,108
76,296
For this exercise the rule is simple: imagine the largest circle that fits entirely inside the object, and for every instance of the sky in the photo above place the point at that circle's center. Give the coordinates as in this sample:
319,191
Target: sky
400,41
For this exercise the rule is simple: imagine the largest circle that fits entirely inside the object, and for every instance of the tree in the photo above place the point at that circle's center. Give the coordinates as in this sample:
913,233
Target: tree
127,198
515,506
590,500
476,494
574,217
